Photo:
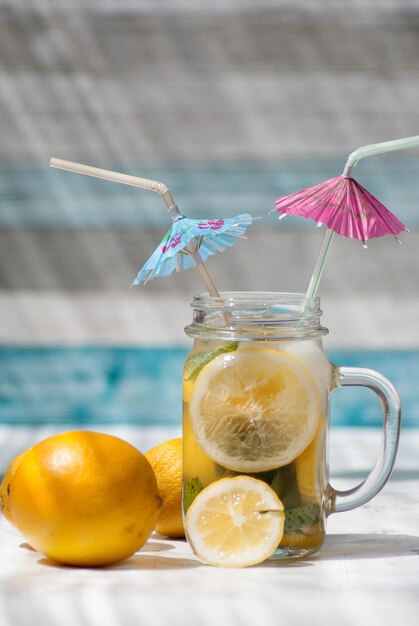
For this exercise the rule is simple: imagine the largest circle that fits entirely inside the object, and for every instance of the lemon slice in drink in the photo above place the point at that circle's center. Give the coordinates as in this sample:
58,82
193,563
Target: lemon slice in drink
235,522
310,467
254,409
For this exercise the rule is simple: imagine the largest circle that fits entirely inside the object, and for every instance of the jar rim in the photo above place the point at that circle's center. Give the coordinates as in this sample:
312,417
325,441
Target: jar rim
250,313
230,299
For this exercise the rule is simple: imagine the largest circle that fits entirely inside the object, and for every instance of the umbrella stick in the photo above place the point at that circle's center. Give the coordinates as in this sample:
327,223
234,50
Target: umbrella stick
143,183
320,263
205,276
353,158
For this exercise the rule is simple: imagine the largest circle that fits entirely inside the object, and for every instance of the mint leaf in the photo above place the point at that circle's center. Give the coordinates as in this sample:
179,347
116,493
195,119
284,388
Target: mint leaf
301,517
191,490
284,483
277,484
197,361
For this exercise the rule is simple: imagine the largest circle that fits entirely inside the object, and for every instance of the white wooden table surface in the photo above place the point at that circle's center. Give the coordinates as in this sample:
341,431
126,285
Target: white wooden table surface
367,572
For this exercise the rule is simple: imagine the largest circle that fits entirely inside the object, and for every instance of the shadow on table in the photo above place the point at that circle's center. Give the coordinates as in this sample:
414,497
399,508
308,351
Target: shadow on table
154,562
157,546
336,547
342,546
139,560
368,546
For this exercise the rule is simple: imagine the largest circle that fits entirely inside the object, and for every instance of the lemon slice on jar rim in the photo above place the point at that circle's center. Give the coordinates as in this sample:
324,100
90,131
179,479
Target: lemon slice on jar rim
235,522
254,409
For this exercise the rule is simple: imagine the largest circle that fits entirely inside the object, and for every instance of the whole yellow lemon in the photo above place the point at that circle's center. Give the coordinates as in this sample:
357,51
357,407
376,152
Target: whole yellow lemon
83,498
166,461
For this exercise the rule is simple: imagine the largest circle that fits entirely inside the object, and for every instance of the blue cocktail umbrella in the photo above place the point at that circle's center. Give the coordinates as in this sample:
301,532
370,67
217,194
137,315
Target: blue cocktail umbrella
190,240
188,243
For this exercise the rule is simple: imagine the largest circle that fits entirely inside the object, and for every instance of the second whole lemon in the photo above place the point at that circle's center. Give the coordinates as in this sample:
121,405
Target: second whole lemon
166,461
83,498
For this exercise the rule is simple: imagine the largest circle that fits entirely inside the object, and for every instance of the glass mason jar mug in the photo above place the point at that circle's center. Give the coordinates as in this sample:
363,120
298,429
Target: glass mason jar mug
256,403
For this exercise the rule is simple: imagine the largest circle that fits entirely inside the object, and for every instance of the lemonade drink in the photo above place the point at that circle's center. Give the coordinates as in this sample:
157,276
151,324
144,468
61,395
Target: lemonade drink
255,424
255,403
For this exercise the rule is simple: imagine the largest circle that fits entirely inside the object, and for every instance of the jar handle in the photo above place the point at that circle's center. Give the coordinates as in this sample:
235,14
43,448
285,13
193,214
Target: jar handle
390,402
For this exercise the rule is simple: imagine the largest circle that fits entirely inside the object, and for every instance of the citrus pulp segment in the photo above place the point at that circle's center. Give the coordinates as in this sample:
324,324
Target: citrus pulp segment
255,409
235,522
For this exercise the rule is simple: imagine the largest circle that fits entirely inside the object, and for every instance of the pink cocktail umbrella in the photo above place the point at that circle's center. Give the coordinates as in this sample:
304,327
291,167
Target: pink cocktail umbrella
345,207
